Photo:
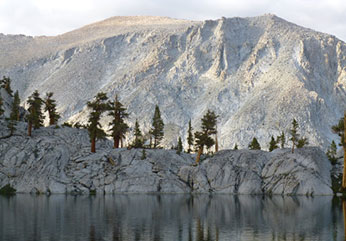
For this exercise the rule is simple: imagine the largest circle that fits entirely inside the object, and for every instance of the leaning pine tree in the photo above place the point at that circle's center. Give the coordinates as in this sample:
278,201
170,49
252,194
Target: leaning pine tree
157,127
35,116
97,106
202,138
118,126
50,106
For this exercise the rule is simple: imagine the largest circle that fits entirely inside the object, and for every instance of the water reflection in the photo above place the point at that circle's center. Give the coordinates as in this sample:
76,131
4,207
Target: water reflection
170,217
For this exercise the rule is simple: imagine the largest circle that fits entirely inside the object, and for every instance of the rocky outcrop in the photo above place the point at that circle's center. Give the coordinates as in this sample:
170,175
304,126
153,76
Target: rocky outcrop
58,160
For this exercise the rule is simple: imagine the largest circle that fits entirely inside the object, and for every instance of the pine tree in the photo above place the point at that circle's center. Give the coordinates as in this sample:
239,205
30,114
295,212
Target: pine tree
50,106
15,112
35,116
272,144
254,145
97,106
138,142
202,138
235,146
189,137
331,153
281,139
157,127
118,126
2,111
6,84
294,134
302,142
179,146
340,130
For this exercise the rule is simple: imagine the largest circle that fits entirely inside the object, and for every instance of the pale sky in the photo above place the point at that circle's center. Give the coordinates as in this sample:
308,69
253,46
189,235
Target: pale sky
52,17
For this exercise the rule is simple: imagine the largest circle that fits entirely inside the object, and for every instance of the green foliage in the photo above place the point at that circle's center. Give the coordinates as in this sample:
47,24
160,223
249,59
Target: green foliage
6,84
157,127
138,142
272,144
50,106
35,116
1,106
179,146
331,153
339,129
202,138
15,113
254,145
189,137
97,106
281,139
235,146
7,190
66,124
118,126
302,142
144,155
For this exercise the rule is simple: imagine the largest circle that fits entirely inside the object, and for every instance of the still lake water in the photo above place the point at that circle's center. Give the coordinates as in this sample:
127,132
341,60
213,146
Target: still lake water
169,217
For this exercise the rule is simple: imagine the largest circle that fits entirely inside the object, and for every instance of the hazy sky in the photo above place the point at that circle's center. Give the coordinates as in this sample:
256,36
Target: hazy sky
52,17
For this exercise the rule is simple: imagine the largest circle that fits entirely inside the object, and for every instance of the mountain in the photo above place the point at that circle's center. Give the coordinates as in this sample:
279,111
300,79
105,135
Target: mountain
256,73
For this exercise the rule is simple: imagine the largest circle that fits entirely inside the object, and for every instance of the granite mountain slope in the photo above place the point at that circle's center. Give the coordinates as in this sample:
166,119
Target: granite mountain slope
256,73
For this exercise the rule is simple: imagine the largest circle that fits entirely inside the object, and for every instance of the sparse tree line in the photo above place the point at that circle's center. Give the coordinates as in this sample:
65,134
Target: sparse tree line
100,106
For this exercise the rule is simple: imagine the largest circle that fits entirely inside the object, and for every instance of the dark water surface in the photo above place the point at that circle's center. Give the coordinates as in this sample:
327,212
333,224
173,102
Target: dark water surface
169,217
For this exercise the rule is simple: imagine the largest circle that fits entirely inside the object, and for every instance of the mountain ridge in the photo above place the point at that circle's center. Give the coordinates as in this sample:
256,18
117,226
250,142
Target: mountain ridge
257,73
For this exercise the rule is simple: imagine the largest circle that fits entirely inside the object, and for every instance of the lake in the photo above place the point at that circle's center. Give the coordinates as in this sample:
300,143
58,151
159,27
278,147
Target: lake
169,217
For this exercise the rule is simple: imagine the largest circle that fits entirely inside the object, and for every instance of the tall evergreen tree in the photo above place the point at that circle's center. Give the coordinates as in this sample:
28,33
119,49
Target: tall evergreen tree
294,134
35,116
189,137
6,84
138,142
97,106
179,146
15,112
50,106
202,138
281,139
157,127
340,130
272,144
254,145
331,153
2,111
118,126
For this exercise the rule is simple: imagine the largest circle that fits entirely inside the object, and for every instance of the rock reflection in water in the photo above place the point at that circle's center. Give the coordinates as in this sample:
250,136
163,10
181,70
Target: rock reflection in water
169,217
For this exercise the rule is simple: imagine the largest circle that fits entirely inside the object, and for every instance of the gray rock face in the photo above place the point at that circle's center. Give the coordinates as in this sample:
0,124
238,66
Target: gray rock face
256,73
58,160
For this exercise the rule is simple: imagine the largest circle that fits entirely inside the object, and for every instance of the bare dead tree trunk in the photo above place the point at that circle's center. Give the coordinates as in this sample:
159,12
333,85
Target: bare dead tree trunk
29,128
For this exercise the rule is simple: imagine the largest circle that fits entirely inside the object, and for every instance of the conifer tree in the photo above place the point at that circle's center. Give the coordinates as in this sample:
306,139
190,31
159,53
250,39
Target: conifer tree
35,116
235,146
302,142
331,153
179,146
294,134
189,137
15,113
272,144
202,138
2,111
157,127
254,145
50,106
138,142
97,106
6,84
340,130
118,126
281,139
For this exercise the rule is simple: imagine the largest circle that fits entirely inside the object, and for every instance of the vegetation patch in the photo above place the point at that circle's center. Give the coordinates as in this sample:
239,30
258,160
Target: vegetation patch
7,190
